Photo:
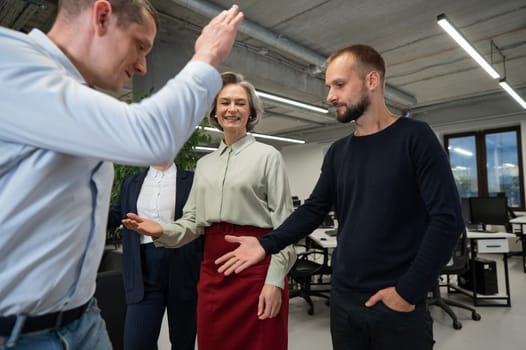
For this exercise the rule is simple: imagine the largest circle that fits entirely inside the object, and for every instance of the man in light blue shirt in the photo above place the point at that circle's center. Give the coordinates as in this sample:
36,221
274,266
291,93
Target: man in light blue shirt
58,137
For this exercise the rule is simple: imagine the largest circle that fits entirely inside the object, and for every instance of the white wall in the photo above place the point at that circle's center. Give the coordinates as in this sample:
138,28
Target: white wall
303,163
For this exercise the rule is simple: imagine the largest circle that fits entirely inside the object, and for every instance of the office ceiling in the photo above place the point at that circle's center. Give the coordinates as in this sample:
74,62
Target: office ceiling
281,47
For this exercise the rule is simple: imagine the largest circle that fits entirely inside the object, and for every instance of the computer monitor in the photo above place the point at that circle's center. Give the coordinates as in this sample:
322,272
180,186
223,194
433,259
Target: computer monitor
328,221
466,210
488,211
296,202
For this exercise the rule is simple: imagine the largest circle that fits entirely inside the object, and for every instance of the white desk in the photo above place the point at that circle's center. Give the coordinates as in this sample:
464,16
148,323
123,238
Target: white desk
322,239
521,221
492,243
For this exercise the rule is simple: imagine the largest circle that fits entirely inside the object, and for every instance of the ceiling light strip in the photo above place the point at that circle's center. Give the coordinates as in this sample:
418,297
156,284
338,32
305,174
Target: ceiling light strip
295,103
206,149
455,34
512,93
262,136
277,138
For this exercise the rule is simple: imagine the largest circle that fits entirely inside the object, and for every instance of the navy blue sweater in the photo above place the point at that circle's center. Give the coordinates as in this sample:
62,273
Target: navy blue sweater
397,206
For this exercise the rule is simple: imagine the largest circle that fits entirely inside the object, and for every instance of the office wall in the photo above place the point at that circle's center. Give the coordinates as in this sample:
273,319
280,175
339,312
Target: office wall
303,163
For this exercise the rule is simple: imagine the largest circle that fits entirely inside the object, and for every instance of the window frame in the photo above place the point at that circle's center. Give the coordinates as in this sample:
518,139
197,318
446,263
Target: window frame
480,147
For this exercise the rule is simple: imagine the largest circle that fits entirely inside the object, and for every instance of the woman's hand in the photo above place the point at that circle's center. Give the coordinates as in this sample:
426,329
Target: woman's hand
143,226
269,302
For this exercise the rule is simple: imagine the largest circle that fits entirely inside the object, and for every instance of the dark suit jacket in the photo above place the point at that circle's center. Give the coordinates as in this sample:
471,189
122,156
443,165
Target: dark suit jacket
189,256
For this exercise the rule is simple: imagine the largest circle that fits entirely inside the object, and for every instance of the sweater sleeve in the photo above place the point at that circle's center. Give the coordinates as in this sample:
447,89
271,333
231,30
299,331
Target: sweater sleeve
440,196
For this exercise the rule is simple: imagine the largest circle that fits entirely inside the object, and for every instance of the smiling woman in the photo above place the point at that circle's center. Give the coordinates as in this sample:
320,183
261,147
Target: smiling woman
242,189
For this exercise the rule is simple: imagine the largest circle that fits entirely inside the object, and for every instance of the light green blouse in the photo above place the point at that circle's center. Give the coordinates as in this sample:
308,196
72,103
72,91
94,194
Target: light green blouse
242,184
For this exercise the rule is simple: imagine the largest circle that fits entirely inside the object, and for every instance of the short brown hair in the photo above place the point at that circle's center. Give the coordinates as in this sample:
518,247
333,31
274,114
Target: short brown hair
367,57
127,11
256,107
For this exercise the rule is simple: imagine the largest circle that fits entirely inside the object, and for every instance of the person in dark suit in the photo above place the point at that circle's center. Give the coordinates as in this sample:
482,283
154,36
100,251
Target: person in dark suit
156,279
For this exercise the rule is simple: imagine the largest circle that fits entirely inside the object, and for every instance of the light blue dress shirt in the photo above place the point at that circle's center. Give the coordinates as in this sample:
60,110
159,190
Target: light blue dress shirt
57,138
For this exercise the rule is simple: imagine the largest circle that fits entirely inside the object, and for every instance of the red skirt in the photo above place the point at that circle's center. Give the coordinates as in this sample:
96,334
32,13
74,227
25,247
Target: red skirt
227,305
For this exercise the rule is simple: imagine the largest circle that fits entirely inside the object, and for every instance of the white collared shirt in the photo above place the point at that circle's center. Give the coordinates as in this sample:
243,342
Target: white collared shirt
156,200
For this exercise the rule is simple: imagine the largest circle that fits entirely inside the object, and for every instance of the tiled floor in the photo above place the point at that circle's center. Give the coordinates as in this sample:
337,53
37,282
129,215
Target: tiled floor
501,328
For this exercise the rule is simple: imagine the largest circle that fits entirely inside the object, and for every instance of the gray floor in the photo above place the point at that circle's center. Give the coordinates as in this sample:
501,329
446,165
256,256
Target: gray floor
501,328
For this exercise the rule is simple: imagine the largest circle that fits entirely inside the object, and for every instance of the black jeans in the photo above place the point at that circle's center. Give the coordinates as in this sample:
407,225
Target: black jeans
357,327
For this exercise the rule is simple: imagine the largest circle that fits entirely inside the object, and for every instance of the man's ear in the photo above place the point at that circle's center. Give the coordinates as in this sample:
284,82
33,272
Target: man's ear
373,80
101,15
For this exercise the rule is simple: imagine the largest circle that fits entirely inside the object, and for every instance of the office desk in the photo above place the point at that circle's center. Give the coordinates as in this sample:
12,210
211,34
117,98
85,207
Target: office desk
492,243
480,242
322,239
521,221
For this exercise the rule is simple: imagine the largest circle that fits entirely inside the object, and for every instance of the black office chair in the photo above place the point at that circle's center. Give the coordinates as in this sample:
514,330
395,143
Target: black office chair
110,296
457,266
306,272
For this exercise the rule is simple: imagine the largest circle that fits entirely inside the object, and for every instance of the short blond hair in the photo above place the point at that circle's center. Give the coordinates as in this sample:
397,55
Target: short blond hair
127,11
254,102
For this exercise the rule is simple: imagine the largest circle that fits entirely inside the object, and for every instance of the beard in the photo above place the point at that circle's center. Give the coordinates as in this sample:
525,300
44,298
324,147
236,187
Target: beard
354,112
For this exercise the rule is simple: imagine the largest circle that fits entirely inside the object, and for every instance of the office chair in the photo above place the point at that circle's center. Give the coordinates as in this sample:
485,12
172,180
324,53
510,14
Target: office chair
458,265
110,296
303,273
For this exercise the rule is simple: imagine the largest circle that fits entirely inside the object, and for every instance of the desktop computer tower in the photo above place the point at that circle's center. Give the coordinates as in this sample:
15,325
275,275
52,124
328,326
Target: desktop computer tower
485,273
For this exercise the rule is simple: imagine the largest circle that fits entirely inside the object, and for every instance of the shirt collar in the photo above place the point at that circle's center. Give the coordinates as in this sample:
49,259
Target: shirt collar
52,49
237,146
170,172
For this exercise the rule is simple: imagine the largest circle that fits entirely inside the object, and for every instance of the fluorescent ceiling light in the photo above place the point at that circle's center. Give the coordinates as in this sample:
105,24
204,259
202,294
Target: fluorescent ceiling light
206,149
262,136
278,138
462,151
455,34
459,167
292,102
512,93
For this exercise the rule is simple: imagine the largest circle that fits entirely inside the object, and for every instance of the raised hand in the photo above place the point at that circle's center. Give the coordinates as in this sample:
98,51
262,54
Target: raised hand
217,37
248,253
143,226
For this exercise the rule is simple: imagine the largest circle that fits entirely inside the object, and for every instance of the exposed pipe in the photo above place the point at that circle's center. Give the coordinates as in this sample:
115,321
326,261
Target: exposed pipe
281,43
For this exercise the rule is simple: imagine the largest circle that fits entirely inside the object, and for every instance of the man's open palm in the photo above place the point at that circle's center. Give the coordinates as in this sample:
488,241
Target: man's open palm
248,253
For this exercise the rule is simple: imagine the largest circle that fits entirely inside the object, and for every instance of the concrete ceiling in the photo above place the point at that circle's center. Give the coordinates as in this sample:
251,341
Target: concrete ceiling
281,45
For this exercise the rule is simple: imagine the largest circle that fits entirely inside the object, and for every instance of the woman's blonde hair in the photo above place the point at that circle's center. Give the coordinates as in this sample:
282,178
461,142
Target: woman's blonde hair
254,102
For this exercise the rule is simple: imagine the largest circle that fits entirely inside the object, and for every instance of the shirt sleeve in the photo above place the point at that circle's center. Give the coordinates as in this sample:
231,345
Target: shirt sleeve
185,229
43,105
280,265
279,203
307,217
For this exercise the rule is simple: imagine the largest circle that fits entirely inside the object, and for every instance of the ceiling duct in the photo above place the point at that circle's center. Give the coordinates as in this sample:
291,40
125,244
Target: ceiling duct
277,41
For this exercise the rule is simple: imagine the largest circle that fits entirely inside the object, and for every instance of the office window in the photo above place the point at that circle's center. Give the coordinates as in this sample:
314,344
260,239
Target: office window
487,163
463,160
